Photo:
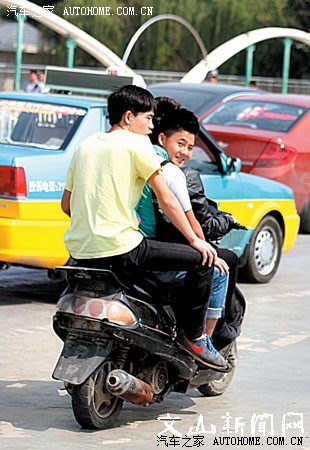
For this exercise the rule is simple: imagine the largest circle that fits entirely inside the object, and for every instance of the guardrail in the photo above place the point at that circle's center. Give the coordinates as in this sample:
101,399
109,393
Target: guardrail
295,86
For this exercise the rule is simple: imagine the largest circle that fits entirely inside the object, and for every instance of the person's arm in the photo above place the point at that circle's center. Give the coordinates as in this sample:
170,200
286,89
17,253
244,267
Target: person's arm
195,225
215,223
65,202
174,212
66,197
176,182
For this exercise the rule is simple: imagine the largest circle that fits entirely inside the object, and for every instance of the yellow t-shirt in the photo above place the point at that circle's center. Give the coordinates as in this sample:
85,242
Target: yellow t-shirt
106,178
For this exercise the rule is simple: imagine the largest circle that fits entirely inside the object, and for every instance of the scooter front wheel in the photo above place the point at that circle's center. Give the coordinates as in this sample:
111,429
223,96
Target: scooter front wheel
219,386
93,406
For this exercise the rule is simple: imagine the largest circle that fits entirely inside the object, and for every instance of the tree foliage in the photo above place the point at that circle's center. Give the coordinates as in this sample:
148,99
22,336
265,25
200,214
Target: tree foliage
167,45
298,13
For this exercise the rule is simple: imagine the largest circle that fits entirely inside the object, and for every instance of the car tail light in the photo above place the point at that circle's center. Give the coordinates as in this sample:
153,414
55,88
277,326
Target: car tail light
276,154
12,182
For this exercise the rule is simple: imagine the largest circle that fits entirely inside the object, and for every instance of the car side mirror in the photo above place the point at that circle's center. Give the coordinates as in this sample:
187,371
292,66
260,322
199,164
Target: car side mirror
233,164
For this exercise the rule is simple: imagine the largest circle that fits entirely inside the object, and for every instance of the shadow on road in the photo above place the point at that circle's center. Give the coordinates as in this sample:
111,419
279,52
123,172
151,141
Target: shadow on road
21,285
48,406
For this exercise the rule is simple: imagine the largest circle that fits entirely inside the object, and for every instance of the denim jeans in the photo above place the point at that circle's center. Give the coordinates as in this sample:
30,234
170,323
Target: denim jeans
218,295
164,256
232,261
218,289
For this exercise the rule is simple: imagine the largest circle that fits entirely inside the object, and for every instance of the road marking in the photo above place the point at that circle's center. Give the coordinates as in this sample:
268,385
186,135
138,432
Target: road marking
16,385
18,330
289,340
62,392
118,441
294,294
252,349
277,297
7,430
247,339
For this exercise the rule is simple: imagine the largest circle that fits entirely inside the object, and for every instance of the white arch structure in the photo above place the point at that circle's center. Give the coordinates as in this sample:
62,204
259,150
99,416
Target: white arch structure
83,40
148,23
230,48
108,58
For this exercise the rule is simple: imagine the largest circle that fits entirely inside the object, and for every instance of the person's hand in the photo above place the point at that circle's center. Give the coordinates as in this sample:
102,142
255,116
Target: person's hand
222,266
208,253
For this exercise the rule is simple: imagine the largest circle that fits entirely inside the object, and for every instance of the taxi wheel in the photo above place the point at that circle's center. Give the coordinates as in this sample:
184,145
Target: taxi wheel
264,251
305,219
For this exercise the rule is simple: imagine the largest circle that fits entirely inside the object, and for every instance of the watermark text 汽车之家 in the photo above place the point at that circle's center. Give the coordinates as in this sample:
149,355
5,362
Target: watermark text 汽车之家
84,11
21,11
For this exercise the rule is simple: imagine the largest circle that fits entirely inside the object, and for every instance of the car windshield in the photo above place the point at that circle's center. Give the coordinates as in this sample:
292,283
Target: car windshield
34,124
260,115
190,99
203,158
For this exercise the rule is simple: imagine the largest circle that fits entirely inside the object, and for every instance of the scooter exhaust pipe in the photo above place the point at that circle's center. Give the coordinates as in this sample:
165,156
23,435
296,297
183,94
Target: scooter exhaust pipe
126,386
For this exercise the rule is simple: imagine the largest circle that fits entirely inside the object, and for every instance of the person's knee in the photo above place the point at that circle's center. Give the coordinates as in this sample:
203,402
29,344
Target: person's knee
234,260
220,281
230,257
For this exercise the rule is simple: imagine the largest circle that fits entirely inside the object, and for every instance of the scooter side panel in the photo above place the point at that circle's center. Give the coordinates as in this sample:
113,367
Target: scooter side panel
79,359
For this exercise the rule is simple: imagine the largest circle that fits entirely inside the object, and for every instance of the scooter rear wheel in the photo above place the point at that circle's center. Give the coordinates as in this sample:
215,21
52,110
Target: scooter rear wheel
93,406
219,386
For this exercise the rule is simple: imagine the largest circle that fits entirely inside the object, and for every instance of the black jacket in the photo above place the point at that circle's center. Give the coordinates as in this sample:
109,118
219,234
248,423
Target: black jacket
215,223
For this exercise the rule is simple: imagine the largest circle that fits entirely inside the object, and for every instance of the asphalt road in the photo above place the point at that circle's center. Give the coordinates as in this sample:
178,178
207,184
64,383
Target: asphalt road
272,377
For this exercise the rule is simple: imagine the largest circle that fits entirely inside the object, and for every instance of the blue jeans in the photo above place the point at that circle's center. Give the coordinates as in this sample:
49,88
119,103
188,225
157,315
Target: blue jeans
218,289
218,295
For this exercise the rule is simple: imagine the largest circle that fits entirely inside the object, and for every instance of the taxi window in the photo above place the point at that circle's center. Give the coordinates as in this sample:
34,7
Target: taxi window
258,115
202,158
34,124
190,99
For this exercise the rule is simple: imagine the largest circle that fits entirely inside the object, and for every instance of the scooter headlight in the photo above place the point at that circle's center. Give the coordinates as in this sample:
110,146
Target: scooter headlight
98,308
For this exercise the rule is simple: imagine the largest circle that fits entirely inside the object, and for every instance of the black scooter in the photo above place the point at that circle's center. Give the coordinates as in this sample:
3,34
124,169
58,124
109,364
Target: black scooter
120,344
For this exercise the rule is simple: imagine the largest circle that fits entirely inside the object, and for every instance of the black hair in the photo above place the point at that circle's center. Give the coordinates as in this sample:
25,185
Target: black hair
166,104
129,98
170,117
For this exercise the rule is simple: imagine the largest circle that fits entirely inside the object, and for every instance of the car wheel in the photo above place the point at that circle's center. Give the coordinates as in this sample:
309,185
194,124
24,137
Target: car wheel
264,251
305,219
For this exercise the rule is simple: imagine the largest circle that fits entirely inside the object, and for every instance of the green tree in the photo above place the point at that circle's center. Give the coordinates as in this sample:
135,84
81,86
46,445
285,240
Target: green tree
298,13
167,45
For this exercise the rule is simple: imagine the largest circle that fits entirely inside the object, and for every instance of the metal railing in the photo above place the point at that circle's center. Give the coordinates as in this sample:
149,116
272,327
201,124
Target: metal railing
7,72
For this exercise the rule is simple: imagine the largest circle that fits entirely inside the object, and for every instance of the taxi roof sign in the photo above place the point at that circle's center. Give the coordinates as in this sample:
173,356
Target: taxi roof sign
83,80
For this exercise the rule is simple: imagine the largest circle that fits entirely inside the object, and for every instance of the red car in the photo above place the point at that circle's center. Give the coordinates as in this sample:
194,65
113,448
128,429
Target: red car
271,135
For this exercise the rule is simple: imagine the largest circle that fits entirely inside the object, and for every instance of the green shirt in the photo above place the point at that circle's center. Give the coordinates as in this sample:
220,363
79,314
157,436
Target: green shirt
145,209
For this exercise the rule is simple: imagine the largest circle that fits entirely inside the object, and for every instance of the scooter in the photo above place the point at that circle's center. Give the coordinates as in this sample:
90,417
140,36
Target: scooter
120,345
